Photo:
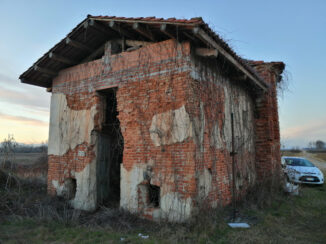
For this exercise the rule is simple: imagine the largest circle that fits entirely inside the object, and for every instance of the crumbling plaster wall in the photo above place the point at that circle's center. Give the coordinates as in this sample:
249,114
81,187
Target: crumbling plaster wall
177,133
175,121
75,117
157,134
215,97
150,81
72,148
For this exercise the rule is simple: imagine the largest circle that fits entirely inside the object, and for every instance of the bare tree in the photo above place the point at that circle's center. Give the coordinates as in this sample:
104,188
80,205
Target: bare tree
7,156
320,144
7,151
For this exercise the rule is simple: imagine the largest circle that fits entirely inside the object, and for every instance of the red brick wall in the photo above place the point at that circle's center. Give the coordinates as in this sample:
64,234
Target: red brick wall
64,167
151,80
268,156
157,79
220,96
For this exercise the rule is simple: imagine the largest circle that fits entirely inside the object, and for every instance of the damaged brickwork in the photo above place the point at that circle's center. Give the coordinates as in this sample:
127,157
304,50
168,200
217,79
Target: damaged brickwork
150,127
175,122
268,150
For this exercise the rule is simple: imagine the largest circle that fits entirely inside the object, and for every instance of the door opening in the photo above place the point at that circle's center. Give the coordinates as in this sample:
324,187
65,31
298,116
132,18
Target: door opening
110,151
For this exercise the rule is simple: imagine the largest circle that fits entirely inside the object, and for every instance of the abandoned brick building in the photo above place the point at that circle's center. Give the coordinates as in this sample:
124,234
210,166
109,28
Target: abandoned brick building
157,115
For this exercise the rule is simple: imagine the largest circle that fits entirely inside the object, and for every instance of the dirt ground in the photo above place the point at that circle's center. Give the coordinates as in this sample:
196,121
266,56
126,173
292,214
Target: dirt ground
321,164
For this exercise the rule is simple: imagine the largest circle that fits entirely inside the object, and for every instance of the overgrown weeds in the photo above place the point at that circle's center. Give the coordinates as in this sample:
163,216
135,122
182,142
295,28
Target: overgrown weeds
28,215
265,193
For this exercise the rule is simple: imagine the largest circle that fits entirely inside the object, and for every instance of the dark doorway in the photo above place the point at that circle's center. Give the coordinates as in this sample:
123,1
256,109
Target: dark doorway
110,151
154,196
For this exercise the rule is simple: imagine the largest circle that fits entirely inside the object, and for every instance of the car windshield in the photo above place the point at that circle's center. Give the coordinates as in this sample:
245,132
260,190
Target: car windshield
298,162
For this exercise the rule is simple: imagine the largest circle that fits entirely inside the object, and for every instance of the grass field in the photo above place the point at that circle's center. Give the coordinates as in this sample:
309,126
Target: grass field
286,219
292,220
321,156
26,158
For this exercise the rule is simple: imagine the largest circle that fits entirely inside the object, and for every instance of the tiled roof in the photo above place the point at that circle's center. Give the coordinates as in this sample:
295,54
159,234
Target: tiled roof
196,20
181,29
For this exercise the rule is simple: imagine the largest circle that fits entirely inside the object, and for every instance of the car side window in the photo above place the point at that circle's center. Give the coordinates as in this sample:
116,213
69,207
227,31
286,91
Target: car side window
288,161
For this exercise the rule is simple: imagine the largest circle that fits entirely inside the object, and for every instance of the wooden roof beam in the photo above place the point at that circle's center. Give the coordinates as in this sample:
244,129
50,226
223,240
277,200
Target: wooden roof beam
164,29
117,28
45,71
134,43
62,59
78,45
91,23
191,37
147,33
203,36
44,84
238,77
97,52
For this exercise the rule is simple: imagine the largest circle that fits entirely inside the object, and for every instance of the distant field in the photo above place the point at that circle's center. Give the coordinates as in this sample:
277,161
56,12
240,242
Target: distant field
321,156
291,154
318,155
27,166
26,158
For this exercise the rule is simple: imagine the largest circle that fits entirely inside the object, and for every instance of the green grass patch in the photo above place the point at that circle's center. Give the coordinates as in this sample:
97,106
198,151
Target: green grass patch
31,231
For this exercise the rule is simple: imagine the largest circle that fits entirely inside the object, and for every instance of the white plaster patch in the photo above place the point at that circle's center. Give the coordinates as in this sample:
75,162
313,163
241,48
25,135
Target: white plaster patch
205,183
227,130
86,195
199,127
216,138
59,188
81,154
129,186
174,208
171,127
68,128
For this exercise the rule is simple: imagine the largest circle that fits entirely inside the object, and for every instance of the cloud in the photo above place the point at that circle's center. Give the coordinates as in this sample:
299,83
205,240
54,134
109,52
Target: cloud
14,92
6,79
25,99
313,128
23,120
303,134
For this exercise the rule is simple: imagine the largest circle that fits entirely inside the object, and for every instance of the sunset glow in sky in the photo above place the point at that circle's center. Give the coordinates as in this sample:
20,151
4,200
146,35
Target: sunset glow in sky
292,31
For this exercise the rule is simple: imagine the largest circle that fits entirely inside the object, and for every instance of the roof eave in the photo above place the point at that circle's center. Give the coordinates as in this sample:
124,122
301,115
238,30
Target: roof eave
201,34
196,25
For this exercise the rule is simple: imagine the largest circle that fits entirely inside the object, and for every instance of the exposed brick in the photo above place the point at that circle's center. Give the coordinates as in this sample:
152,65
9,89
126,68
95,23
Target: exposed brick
157,79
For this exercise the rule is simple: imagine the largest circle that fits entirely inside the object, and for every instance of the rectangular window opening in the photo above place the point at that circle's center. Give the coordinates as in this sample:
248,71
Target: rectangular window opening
154,196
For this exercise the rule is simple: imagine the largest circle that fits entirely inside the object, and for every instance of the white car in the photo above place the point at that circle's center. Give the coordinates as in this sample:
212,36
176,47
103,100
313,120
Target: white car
301,170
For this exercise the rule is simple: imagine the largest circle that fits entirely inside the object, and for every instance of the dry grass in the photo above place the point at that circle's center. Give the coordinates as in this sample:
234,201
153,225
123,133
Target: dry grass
27,215
321,156
292,154
28,158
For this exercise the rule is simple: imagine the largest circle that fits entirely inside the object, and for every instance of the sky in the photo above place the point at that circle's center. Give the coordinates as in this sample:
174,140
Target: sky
292,31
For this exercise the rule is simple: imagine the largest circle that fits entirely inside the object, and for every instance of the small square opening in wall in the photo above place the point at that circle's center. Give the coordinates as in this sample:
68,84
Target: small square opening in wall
154,196
70,187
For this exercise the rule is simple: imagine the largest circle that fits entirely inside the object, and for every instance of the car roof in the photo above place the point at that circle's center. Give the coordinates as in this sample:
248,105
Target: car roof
292,157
